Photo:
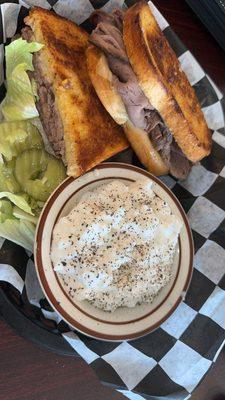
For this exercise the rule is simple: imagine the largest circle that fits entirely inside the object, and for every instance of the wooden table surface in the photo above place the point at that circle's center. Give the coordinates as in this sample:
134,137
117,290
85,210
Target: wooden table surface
27,372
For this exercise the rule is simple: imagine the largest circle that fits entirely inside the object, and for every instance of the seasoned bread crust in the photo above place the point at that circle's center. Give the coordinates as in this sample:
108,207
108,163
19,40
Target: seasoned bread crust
102,80
90,134
164,83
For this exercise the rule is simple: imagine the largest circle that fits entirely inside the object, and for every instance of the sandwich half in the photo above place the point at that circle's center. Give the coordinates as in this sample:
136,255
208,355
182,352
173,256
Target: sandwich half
74,120
138,78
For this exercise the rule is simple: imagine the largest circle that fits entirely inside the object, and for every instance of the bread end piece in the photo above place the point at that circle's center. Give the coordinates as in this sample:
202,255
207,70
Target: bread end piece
164,83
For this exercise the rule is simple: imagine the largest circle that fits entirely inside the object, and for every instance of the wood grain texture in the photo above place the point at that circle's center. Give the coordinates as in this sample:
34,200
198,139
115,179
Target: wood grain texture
27,372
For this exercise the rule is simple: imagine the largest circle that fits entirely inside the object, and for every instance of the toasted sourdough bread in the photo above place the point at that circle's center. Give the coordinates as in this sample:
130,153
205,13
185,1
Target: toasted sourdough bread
90,134
102,80
164,83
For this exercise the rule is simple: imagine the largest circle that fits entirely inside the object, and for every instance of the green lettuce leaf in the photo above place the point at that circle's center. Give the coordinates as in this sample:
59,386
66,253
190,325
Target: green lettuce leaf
35,205
18,200
18,213
6,210
20,52
20,231
19,103
15,137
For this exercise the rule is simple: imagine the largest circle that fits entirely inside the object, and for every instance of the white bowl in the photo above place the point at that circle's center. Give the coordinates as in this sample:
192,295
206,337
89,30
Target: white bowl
125,323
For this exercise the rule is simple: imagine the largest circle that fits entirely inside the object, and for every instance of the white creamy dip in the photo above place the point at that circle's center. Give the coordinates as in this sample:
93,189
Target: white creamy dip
116,247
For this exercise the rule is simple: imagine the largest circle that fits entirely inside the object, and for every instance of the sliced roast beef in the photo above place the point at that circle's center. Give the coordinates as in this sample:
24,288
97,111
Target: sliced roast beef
108,36
46,105
179,164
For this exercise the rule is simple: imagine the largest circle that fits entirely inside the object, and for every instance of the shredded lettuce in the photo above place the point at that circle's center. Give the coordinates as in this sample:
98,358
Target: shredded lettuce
18,213
19,103
18,231
20,52
18,200
35,205
6,210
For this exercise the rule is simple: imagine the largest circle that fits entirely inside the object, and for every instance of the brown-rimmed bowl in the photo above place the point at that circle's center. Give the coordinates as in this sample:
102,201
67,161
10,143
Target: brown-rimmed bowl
124,323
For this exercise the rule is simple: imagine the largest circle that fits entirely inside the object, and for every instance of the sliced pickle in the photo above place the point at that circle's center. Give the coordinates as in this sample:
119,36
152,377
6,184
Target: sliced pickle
39,173
15,137
8,183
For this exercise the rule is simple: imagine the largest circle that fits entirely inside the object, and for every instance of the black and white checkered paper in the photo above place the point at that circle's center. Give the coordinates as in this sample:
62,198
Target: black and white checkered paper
170,362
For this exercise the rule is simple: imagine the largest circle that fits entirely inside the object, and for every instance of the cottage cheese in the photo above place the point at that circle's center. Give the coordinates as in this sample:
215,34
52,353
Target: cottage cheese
117,245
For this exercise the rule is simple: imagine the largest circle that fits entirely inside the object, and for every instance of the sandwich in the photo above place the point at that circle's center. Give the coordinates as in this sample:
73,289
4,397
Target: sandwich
76,124
138,79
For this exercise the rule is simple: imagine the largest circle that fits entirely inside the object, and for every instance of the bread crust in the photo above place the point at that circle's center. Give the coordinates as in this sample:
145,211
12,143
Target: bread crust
164,83
90,134
102,80
144,149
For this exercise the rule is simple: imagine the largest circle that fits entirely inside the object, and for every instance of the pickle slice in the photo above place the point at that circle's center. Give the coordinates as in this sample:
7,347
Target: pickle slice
38,173
8,182
16,137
